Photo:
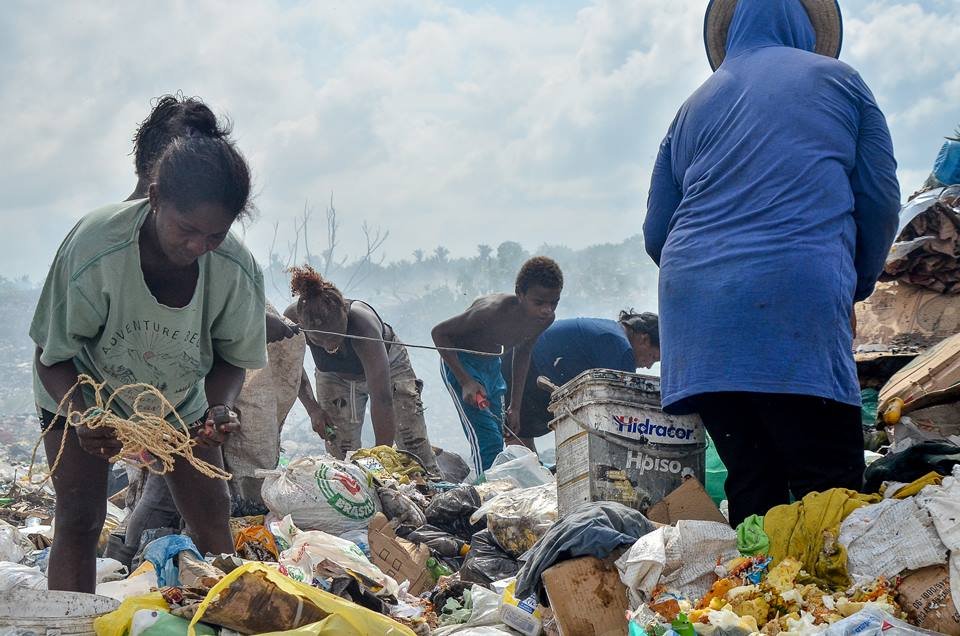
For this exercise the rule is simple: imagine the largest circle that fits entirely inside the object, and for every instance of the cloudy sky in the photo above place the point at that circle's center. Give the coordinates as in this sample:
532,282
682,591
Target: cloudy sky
444,123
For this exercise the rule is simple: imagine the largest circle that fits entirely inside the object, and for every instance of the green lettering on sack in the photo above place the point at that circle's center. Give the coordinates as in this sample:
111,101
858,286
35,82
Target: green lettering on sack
344,494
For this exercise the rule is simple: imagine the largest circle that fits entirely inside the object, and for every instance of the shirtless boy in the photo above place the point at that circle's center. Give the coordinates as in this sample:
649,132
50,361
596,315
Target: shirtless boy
492,324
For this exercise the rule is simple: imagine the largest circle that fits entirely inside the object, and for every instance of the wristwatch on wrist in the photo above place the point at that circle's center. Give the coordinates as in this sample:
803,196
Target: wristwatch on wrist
229,409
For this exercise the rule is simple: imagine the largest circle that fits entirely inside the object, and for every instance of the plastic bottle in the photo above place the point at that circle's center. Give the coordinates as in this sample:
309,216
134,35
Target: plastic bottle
438,569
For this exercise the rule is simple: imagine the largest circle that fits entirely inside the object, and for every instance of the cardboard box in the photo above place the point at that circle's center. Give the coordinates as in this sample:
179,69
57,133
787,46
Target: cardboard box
925,596
587,597
900,314
398,558
688,501
931,378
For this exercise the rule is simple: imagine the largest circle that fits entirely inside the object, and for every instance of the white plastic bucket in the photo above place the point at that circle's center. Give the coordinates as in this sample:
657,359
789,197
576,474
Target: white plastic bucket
49,613
614,443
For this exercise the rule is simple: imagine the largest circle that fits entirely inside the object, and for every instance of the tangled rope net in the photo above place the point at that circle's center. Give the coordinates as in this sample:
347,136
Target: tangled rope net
145,433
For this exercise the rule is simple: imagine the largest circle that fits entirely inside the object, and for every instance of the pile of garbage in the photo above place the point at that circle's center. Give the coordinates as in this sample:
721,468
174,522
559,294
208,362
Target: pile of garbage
837,563
363,546
370,545
927,249
21,500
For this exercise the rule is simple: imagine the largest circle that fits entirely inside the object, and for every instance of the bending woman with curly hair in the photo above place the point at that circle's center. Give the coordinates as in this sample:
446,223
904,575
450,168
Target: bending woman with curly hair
350,372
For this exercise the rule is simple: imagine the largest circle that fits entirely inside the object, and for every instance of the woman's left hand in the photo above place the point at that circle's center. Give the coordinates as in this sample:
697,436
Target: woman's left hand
221,421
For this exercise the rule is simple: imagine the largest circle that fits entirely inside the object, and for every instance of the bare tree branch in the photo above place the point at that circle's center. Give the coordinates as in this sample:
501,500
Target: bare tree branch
332,226
272,258
362,269
307,213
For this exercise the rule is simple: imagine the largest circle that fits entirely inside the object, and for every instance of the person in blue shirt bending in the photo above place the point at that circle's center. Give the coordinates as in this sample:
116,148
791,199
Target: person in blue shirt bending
570,347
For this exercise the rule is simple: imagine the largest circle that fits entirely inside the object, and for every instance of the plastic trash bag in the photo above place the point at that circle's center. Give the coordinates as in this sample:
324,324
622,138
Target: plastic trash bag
321,493
255,543
440,543
14,576
315,554
386,462
117,622
400,509
110,570
874,622
360,538
138,583
518,518
451,511
484,616
163,552
946,167
148,622
486,561
451,465
339,617
520,464
13,546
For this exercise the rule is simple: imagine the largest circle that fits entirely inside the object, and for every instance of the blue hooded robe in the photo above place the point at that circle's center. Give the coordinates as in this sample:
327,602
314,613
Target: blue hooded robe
772,207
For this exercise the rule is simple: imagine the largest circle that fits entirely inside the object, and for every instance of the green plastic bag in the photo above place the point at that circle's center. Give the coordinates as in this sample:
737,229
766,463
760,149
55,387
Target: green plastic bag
869,399
716,474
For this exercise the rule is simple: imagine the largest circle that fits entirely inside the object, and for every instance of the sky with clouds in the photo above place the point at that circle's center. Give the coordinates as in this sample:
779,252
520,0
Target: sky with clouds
444,123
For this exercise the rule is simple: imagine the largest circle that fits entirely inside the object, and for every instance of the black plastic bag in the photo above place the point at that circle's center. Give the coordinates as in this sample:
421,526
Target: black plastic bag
486,562
450,511
451,465
442,544
912,463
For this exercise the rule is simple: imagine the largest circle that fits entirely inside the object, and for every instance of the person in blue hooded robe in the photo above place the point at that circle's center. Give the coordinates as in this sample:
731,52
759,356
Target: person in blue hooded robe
772,207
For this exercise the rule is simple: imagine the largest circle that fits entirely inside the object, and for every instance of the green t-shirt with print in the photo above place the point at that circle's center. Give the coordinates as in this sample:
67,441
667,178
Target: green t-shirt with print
96,309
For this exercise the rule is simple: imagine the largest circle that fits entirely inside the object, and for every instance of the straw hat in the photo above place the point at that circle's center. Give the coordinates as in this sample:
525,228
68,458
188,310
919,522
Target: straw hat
824,16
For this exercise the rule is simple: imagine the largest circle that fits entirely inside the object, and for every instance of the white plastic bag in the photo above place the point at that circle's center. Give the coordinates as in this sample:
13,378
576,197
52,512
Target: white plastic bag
518,518
361,538
133,586
314,553
14,576
321,493
110,570
13,546
871,621
520,464
682,558
484,619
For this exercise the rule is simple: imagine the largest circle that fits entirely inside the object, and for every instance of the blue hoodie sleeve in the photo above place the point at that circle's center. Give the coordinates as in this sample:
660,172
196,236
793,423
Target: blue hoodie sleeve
876,194
663,200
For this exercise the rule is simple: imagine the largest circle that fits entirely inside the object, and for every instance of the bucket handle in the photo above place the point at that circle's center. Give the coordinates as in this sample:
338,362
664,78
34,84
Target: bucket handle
606,402
613,439
605,436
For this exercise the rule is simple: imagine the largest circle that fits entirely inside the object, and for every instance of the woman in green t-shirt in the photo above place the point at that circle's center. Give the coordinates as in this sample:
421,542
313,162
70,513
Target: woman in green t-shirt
159,291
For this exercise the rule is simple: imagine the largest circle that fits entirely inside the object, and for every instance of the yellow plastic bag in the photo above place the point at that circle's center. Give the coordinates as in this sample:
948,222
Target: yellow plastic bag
331,625
117,622
385,462
346,618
